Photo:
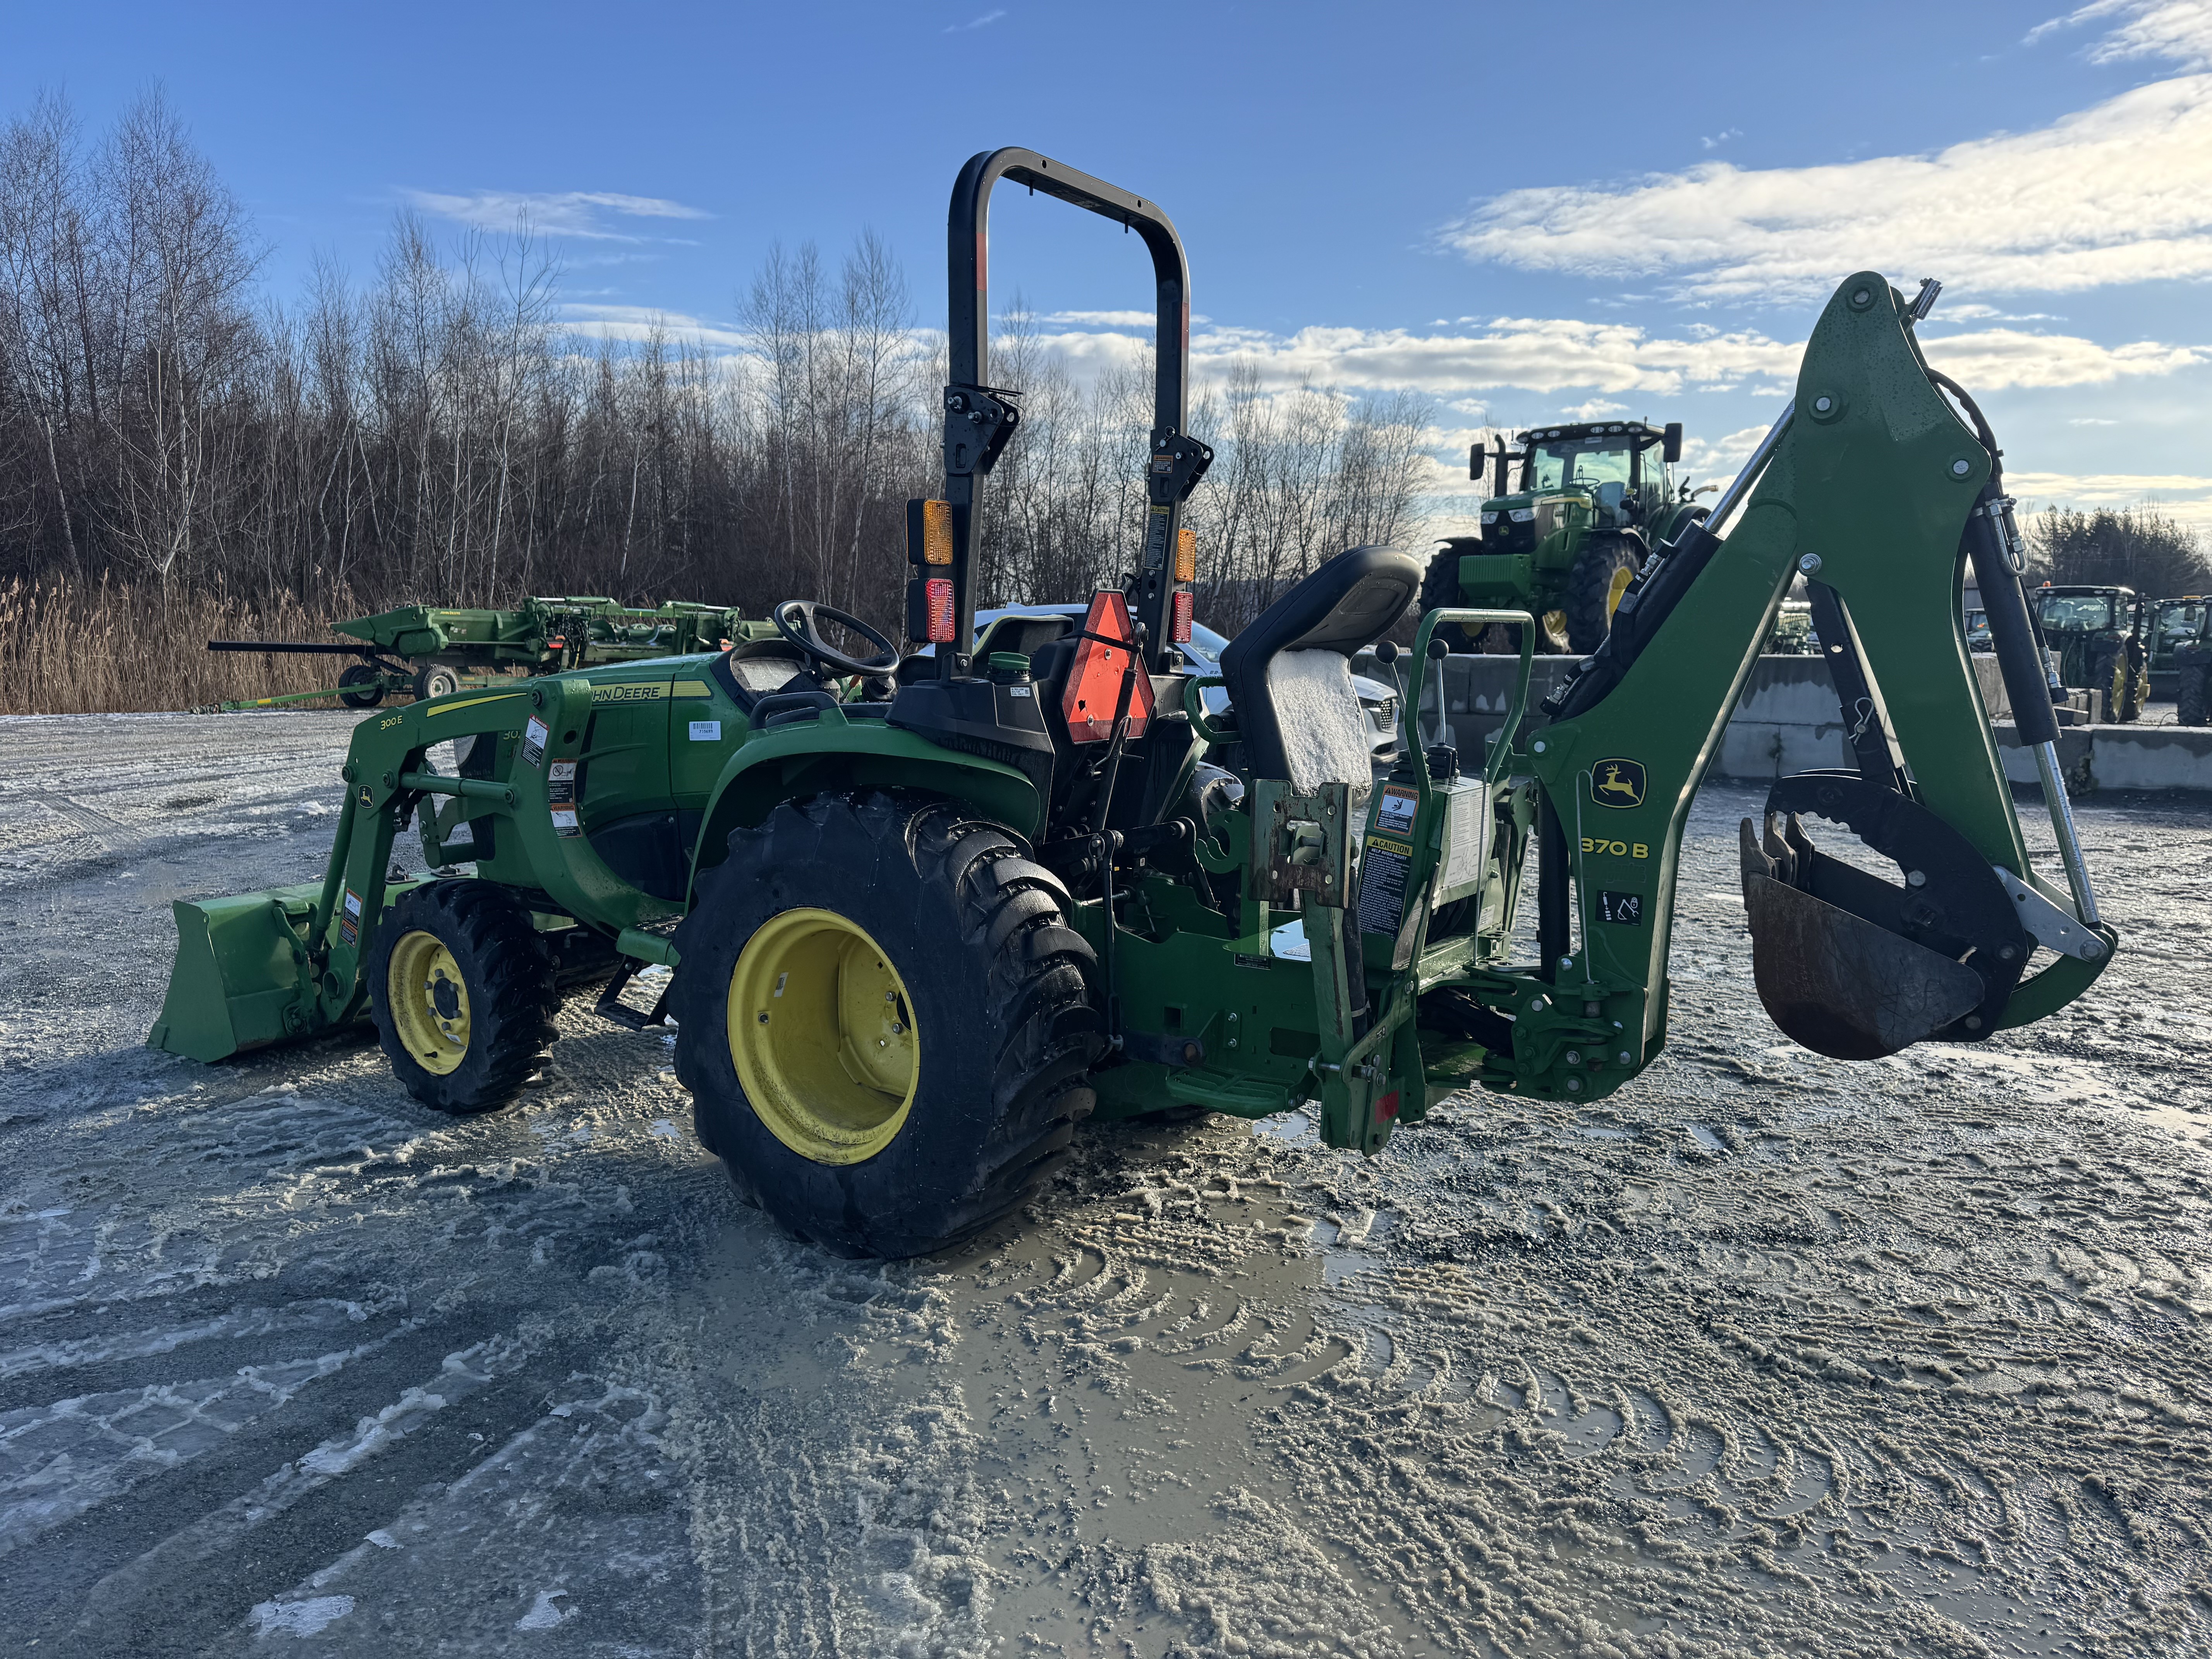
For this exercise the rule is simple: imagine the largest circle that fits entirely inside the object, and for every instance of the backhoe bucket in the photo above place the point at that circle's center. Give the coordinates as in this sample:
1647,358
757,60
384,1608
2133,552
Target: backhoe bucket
1835,982
240,975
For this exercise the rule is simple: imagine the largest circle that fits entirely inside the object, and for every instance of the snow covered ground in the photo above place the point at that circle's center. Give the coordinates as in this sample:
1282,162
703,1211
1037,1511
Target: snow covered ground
1767,1354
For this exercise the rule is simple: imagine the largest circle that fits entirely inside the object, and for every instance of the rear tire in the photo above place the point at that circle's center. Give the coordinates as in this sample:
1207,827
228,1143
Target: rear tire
367,683
1600,574
2189,695
869,1138
462,988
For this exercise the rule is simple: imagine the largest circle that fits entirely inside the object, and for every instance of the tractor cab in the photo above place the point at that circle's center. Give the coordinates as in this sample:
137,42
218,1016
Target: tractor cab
2174,624
1616,474
1574,514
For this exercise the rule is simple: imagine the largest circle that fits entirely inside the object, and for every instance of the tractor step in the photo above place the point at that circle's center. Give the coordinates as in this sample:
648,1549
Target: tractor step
611,1006
1224,1091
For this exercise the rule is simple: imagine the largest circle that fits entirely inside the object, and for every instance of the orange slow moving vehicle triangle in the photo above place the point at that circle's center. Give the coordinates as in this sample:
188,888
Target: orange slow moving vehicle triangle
1094,684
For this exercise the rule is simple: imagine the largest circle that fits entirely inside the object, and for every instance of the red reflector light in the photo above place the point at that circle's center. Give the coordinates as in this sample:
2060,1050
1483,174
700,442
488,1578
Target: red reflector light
940,610
1179,617
1387,1108
1094,682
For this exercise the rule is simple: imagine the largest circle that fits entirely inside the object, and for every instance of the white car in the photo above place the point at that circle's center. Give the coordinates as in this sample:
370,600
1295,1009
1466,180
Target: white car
1378,702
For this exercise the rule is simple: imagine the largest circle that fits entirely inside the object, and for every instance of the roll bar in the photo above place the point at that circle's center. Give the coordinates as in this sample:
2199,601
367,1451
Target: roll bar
979,418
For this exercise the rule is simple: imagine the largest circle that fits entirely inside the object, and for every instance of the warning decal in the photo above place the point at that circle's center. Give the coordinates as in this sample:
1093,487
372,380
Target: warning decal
1394,809
533,741
350,919
1383,867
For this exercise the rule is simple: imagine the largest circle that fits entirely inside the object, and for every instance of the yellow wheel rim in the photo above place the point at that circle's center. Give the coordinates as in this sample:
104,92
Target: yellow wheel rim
1555,629
1614,589
822,1034
428,1002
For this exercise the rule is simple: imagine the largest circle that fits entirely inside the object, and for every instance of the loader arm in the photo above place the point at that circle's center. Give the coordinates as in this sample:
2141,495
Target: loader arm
268,967
1875,490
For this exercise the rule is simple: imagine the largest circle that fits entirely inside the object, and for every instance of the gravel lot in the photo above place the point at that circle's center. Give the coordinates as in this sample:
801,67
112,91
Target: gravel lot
1766,1355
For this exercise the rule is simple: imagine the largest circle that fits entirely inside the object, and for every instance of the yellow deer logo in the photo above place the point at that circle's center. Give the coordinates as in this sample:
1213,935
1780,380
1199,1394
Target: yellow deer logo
1617,783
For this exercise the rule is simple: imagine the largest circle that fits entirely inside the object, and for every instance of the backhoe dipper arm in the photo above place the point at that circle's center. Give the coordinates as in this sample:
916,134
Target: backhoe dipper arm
1870,485
979,418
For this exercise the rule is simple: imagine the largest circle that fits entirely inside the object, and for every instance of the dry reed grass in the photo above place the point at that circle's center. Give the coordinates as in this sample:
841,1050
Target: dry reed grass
74,647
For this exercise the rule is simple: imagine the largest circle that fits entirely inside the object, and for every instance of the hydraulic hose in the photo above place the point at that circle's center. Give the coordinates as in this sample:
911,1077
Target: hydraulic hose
1993,543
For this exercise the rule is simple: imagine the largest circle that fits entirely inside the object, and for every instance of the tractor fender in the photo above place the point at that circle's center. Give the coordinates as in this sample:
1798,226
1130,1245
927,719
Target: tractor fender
831,752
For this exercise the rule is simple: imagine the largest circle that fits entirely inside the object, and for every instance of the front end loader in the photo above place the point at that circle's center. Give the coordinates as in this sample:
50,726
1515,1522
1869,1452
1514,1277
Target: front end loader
927,914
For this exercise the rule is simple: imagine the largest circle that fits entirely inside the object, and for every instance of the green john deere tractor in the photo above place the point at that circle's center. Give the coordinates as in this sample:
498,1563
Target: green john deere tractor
1574,514
2098,633
2181,635
2173,624
926,915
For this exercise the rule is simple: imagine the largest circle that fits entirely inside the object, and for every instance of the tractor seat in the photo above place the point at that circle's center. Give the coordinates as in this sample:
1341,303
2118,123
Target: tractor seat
1290,672
753,669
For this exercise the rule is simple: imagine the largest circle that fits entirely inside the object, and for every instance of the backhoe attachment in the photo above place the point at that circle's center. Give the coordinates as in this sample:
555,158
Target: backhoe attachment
1876,487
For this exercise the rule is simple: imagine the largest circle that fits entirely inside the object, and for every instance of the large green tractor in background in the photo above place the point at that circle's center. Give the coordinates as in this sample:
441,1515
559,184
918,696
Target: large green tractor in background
2174,623
2182,651
2098,633
1574,514
924,914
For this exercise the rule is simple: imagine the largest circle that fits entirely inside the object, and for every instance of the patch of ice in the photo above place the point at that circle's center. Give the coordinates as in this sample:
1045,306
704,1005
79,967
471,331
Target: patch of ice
383,1540
372,1434
308,1618
544,1614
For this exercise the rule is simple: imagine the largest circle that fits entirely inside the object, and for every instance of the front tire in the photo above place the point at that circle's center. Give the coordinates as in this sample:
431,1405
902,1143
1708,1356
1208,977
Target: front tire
884,1021
2190,697
1600,575
462,989
2137,690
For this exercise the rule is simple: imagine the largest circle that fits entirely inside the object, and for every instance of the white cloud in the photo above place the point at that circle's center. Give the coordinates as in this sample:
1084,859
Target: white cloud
2121,192
2183,497
1720,138
580,213
2179,30
1100,319
974,22
1614,360
2000,357
635,323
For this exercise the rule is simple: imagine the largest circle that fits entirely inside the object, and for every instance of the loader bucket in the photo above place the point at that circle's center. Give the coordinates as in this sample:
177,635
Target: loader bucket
1835,982
239,979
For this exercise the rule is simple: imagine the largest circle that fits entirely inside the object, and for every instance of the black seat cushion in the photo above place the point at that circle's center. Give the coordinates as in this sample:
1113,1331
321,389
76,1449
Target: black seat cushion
1344,606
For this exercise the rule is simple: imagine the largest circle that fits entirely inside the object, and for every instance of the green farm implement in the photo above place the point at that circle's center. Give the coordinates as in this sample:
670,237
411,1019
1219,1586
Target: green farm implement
431,652
927,914
1572,518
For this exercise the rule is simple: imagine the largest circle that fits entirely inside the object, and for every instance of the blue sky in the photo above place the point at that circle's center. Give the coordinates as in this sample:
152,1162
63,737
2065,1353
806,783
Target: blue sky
1522,211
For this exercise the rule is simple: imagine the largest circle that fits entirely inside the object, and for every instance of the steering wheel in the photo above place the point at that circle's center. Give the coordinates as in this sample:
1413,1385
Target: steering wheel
795,620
